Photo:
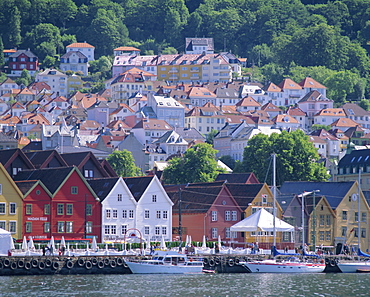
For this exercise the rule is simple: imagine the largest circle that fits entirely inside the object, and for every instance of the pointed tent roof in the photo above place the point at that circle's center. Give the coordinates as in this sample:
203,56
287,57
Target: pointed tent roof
261,220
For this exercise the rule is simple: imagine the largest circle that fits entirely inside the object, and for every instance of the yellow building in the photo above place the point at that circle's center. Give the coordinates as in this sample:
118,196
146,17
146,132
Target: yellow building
11,205
252,197
331,217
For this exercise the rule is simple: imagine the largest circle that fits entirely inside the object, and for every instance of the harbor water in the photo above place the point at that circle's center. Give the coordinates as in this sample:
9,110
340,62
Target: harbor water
241,284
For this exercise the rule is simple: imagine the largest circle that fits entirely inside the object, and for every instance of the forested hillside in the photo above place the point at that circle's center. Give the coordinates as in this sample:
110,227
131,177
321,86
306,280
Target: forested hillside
325,39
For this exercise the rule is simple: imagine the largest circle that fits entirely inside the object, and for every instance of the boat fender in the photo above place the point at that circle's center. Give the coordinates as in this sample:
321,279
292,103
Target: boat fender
6,263
322,261
27,265
48,263
20,263
211,262
1,265
106,261
327,261
217,261
113,263
13,265
55,265
69,264
35,263
205,261
119,261
81,262
42,265
332,263
125,264
100,264
231,262
94,261
237,261
88,265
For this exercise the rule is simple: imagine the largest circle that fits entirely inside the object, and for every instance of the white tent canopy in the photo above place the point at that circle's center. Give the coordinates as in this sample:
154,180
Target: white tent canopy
261,220
6,241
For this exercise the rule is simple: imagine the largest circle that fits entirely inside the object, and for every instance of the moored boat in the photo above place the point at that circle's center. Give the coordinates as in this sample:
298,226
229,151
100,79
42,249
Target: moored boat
166,263
290,265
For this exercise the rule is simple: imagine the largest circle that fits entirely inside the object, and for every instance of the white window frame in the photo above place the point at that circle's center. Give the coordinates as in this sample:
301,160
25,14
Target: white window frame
11,204
214,216
214,232
146,214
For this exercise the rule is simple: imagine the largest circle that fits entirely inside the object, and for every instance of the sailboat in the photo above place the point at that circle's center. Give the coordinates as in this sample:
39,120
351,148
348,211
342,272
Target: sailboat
357,266
291,264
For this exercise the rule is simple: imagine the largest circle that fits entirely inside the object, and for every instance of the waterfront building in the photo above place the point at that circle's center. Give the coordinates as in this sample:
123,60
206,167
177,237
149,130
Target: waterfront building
11,205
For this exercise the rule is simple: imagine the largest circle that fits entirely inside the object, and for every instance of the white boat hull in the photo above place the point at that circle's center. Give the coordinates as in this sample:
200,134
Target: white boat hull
351,267
276,267
144,268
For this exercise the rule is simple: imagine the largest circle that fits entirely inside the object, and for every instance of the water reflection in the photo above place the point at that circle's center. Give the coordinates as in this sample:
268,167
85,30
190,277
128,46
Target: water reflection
188,285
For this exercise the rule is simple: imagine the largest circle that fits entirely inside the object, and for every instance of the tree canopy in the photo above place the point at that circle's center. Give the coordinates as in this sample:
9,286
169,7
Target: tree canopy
197,165
295,158
123,163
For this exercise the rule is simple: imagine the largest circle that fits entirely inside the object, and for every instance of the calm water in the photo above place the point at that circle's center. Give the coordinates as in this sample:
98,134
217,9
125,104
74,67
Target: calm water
188,285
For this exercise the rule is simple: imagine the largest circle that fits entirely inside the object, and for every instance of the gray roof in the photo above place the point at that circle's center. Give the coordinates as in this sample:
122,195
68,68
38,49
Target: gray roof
28,53
189,133
333,191
102,186
78,53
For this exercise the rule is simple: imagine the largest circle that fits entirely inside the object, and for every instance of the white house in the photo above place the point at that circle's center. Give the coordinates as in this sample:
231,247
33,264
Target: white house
56,80
154,207
86,49
167,109
118,207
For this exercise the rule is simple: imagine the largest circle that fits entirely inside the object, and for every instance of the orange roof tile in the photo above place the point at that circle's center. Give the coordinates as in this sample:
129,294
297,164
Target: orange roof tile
80,44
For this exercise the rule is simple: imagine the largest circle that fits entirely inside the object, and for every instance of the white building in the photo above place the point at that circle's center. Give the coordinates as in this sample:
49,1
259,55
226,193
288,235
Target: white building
56,80
167,109
86,49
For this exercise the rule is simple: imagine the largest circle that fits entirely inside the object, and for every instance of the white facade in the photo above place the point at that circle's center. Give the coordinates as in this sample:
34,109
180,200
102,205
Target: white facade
154,212
118,212
56,80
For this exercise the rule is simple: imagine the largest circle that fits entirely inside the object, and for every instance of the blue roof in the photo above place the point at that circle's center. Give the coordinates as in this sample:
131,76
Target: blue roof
334,192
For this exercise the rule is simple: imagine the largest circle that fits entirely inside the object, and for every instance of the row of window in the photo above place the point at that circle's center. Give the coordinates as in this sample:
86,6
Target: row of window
62,227
229,216
355,230
12,226
12,208
112,230
228,233
363,216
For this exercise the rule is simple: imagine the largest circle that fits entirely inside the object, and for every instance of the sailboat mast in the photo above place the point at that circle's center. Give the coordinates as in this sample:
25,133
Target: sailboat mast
359,212
274,194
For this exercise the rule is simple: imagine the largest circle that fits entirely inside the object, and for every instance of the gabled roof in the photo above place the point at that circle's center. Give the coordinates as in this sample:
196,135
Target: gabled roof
26,186
138,185
287,83
314,96
285,118
269,107
195,199
80,44
331,112
352,109
345,122
127,48
244,193
52,178
323,134
28,53
102,186
238,178
201,92
8,156
295,111
41,159
271,87
81,158
355,158
248,101
70,53
333,191
309,83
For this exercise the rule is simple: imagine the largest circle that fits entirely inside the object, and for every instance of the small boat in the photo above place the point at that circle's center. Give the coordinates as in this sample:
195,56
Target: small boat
166,262
290,265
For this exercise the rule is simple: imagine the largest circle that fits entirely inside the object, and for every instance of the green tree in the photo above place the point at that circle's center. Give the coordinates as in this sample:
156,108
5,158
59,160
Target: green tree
14,28
102,64
197,165
123,163
318,127
25,78
295,157
211,136
365,104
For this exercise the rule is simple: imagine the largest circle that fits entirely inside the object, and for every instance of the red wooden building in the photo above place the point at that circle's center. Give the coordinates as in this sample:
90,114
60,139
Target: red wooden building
73,209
